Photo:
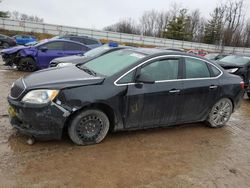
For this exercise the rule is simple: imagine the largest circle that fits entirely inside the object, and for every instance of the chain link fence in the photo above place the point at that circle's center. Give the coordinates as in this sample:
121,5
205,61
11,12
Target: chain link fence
27,26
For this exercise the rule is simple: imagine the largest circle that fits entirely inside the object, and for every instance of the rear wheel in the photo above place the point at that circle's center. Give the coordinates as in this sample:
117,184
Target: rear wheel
220,113
27,64
6,45
88,127
248,94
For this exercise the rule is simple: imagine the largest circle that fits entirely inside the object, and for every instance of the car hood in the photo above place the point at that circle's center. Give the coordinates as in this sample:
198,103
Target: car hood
228,66
58,78
70,59
13,49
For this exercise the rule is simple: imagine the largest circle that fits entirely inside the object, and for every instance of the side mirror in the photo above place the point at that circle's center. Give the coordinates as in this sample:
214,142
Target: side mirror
143,78
44,49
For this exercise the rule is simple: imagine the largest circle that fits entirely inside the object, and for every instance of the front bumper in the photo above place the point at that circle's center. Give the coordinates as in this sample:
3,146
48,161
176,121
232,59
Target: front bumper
44,122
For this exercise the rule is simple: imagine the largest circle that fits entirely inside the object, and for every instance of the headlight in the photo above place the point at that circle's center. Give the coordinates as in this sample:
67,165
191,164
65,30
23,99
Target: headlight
40,96
63,64
232,70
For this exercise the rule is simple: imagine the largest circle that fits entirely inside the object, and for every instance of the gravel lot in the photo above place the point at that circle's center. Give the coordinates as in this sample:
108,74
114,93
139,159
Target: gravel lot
181,156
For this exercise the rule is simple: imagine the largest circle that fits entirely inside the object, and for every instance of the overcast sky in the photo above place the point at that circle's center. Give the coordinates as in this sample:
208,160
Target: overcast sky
100,13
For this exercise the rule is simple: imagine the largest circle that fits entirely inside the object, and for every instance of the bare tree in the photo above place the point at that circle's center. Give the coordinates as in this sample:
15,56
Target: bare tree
193,24
233,21
124,26
24,17
246,34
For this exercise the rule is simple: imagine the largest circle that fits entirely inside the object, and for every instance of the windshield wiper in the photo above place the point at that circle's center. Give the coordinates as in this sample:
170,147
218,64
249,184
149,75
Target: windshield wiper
87,70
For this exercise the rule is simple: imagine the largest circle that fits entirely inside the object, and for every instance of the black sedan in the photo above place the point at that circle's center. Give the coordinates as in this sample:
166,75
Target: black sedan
123,90
238,65
6,41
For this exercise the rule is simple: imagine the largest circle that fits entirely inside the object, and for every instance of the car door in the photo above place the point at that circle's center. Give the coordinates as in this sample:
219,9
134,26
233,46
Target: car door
71,48
200,89
48,52
154,104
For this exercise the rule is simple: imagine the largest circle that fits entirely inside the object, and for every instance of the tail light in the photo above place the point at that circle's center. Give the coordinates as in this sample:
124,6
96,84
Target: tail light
242,85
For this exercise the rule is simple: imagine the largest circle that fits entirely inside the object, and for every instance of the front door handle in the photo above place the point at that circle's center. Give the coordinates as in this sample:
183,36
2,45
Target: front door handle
213,87
174,91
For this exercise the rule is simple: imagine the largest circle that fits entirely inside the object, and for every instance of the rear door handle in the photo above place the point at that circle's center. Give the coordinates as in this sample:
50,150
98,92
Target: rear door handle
174,91
213,87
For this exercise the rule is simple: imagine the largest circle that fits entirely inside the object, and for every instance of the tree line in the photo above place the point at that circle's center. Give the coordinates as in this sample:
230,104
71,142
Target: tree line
15,15
226,26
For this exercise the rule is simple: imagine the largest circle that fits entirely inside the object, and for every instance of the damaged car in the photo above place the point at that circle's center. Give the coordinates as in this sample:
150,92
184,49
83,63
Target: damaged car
76,59
238,65
38,56
123,90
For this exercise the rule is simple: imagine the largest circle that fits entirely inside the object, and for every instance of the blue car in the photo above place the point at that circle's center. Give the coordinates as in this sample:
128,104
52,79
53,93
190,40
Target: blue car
31,58
24,39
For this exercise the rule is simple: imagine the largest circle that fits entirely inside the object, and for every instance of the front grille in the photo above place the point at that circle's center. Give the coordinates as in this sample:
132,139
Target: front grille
17,89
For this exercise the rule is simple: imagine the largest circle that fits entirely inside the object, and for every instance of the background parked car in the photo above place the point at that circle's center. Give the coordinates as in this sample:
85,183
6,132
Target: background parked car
24,39
6,41
215,56
38,56
88,41
76,59
239,65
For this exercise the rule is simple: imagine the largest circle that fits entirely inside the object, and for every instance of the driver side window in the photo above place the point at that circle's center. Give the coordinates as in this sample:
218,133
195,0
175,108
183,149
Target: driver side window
53,46
166,69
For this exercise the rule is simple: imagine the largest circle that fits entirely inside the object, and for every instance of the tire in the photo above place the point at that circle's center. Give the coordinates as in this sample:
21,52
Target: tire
27,64
88,127
6,45
220,113
248,94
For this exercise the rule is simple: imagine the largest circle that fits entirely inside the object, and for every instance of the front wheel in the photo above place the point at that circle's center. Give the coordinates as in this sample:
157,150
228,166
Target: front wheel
88,127
27,64
220,113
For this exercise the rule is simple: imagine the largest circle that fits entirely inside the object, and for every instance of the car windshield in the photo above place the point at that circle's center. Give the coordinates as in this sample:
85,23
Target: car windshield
234,59
97,51
112,63
211,56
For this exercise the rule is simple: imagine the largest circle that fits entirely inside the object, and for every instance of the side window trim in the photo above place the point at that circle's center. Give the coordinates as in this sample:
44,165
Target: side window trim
182,67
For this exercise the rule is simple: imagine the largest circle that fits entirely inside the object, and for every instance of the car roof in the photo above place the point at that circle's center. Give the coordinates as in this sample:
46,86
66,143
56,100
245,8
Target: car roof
154,52
60,40
83,36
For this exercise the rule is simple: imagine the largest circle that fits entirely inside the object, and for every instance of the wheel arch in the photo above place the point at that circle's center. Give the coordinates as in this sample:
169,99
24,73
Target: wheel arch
107,109
226,97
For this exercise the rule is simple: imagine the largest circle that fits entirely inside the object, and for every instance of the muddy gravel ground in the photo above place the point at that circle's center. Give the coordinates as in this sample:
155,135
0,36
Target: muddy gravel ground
182,156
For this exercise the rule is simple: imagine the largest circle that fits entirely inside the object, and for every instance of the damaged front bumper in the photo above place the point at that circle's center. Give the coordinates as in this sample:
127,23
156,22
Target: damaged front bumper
44,122
10,59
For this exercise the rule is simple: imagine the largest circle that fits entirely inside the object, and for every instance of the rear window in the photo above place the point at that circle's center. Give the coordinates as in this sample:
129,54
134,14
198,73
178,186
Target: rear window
215,71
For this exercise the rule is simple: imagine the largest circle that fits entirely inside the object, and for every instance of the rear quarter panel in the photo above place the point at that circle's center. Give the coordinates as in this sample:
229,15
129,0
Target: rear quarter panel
231,88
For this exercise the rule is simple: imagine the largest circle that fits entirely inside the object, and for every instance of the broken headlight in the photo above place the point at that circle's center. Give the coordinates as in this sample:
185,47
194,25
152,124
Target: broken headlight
40,96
